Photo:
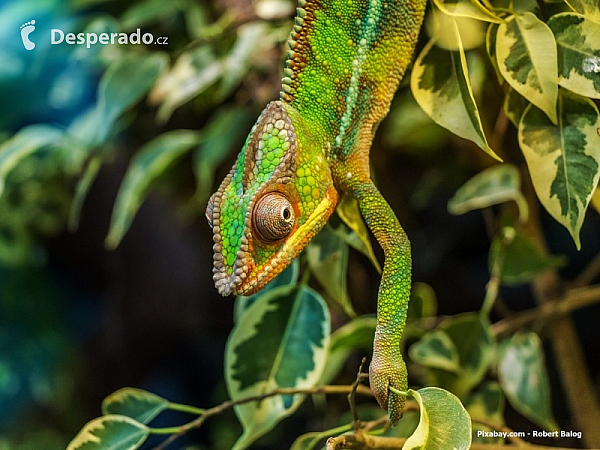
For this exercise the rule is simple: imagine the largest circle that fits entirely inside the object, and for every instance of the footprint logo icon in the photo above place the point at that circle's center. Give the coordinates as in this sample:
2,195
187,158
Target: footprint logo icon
26,29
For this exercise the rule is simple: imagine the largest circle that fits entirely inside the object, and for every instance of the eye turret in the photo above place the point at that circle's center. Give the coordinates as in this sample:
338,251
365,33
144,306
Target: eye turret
273,217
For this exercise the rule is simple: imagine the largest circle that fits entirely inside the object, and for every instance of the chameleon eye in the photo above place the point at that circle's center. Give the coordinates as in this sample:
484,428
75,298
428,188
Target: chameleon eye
273,217
209,210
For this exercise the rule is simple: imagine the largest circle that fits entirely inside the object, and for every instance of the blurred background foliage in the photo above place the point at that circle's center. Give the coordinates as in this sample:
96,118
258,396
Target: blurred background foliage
107,157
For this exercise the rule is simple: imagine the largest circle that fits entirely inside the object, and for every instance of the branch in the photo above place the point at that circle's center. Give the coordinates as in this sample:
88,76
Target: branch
574,299
197,423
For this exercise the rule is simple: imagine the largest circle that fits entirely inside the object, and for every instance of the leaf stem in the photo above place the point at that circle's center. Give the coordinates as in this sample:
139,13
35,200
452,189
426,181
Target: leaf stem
186,408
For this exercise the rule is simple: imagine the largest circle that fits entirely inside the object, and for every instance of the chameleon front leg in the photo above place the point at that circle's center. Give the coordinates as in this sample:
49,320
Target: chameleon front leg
387,366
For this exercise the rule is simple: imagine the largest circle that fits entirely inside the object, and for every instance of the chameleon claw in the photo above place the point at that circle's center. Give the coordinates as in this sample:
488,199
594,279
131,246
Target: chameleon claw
387,369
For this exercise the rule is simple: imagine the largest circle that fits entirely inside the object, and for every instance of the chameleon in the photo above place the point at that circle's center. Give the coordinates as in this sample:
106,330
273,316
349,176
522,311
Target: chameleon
311,147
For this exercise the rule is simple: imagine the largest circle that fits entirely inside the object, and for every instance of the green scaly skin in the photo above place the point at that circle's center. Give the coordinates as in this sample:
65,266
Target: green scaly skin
311,147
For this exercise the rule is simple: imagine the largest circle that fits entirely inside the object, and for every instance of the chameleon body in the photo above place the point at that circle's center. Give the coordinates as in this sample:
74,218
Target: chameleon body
311,147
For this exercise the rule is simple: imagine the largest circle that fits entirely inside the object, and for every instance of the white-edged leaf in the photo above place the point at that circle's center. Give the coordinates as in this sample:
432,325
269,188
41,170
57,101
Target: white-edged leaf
514,106
467,8
522,375
578,41
25,142
140,405
436,349
563,159
112,432
151,161
589,8
280,341
527,59
356,334
441,86
445,423
497,184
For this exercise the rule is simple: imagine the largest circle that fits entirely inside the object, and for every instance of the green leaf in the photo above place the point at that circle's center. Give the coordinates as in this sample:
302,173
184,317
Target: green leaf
522,375
112,432
151,161
290,327
149,11
466,8
494,185
472,338
125,82
81,190
527,59
227,128
486,404
523,260
327,256
289,276
140,405
423,302
589,8
514,106
349,212
25,142
490,46
436,349
578,41
358,334
441,86
563,158
445,423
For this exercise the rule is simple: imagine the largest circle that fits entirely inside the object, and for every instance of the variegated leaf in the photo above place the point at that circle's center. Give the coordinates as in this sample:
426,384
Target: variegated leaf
527,59
589,8
112,432
578,41
467,8
441,86
280,341
563,159
140,405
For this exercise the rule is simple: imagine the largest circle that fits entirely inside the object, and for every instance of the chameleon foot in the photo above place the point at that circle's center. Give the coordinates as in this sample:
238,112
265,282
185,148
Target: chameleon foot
388,369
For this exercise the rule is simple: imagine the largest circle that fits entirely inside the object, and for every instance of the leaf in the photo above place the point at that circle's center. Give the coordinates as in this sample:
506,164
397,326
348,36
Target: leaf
349,212
578,41
125,82
289,276
523,260
436,349
527,59
423,302
514,106
471,336
358,334
151,161
494,185
522,375
490,46
81,190
228,127
441,86
112,432
563,158
589,8
487,405
25,142
149,11
445,423
595,201
290,325
467,8
140,405
327,256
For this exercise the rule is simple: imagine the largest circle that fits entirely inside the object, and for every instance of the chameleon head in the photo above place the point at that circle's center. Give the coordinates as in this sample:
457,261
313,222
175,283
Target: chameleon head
277,196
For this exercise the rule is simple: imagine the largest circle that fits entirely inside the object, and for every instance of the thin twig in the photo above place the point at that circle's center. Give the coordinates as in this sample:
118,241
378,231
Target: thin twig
197,423
360,376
